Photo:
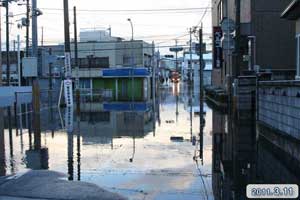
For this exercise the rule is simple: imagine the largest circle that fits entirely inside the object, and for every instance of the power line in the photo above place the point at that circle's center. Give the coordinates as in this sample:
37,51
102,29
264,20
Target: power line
206,10
133,10
110,49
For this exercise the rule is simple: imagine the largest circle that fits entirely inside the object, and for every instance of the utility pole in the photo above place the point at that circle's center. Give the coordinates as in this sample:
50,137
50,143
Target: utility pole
190,64
27,27
236,70
66,27
50,71
7,44
34,28
76,63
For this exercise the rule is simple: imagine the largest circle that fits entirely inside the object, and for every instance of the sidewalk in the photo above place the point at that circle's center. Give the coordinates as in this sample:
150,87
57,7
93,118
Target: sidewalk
42,185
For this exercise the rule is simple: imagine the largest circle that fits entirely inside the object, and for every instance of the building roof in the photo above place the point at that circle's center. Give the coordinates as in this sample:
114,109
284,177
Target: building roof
292,12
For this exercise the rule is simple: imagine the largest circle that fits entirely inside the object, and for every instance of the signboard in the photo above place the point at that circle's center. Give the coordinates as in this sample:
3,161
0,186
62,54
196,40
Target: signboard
68,70
176,49
217,47
227,25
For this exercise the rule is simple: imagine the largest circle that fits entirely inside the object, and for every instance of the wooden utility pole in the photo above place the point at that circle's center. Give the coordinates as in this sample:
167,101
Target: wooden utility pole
27,27
36,114
7,45
76,64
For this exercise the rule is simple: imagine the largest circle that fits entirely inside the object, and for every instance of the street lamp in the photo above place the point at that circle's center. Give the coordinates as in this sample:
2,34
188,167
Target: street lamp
132,62
131,27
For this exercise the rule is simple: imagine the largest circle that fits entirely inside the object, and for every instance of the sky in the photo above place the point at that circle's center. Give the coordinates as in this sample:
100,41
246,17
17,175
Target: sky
162,27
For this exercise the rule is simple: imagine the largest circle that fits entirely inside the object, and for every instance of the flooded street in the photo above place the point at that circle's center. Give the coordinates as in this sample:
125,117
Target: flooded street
124,148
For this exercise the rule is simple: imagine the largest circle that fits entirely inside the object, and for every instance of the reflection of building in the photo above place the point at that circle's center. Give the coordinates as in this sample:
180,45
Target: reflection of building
240,159
115,120
207,61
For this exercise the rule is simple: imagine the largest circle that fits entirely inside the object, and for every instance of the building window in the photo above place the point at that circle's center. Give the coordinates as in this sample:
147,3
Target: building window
127,60
102,62
94,62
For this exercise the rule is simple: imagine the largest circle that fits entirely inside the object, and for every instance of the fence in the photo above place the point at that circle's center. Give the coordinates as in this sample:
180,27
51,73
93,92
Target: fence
279,106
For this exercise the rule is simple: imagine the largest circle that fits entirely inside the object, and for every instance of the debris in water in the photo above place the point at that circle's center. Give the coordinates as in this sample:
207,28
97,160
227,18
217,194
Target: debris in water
176,138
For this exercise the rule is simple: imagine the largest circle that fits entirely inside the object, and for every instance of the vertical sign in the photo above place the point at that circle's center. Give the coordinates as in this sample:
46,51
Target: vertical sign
68,90
68,69
217,47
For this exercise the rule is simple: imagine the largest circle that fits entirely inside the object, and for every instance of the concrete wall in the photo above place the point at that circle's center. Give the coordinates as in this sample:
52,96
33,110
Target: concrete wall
279,106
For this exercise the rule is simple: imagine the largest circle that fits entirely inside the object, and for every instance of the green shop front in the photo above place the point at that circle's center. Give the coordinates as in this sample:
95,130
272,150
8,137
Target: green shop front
121,84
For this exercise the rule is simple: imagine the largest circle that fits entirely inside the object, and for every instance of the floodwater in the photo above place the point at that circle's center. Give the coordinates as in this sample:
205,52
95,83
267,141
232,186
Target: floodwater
127,148
123,148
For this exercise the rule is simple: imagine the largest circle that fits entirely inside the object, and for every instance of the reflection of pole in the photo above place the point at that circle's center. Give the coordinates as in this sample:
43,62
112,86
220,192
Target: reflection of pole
70,157
2,145
78,150
190,64
176,60
69,128
153,88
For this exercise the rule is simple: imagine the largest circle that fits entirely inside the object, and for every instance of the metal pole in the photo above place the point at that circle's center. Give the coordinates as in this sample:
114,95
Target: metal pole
132,62
190,65
34,29
50,71
237,38
19,62
27,27
7,44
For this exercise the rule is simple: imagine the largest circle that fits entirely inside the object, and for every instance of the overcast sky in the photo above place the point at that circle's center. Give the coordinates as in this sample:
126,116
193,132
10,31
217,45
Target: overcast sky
162,27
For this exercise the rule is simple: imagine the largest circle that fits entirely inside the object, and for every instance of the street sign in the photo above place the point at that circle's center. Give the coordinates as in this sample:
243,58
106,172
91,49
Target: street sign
228,25
68,90
169,56
217,47
176,49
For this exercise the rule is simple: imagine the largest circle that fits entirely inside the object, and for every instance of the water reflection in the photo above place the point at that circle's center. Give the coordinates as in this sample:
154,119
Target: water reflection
240,157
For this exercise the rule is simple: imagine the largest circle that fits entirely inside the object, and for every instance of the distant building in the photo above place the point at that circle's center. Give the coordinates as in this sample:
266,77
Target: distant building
109,67
292,12
207,71
266,40
13,60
